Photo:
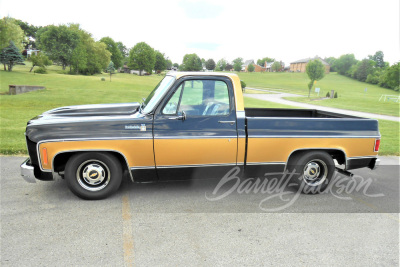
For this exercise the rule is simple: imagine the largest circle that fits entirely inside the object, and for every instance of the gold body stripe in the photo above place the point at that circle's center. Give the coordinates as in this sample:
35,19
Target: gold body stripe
170,152
279,149
138,152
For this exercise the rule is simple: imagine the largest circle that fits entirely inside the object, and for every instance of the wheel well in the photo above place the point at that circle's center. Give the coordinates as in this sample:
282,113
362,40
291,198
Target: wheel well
61,159
337,154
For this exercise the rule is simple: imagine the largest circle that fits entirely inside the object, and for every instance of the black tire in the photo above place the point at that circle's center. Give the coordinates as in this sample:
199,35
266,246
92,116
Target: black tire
314,170
93,175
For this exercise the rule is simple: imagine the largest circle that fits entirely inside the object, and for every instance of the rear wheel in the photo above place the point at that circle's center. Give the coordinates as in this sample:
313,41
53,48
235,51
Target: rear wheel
314,170
93,175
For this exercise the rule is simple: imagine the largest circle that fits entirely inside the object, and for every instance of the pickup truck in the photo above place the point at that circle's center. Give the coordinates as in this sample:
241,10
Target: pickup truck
193,125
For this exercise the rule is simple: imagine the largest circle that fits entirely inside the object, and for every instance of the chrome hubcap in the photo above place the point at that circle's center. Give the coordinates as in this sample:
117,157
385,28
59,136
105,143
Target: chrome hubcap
315,172
93,175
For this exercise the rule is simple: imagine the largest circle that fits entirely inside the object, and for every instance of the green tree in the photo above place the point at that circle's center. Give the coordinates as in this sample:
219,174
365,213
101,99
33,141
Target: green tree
228,67
89,57
390,78
169,64
122,48
58,42
110,69
364,68
315,71
262,61
142,57
160,64
176,65
10,56
29,31
237,64
112,47
191,62
250,68
210,64
344,63
40,60
10,31
276,66
221,64
331,62
378,58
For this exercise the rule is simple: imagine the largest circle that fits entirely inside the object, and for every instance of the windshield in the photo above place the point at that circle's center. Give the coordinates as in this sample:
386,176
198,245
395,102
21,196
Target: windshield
158,92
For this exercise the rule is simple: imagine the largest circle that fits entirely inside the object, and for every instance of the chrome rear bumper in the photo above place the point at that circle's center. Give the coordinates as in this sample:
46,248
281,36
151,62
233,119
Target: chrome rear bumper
27,172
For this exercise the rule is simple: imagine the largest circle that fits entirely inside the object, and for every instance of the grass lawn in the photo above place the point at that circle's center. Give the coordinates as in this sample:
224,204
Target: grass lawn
351,93
64,90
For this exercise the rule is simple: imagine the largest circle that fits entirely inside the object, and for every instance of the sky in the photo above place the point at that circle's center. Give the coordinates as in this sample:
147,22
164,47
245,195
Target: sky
286,30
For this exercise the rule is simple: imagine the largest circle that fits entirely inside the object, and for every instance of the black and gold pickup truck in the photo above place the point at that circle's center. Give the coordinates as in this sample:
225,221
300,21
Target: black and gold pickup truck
193,125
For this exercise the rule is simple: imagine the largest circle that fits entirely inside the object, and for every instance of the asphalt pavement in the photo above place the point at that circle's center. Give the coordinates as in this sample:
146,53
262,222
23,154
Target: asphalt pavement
202,223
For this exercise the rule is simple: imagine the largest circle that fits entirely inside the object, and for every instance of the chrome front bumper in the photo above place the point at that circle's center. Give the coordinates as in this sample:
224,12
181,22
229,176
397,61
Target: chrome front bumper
27,172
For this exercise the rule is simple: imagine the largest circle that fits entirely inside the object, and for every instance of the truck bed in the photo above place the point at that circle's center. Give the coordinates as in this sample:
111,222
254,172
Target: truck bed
294,113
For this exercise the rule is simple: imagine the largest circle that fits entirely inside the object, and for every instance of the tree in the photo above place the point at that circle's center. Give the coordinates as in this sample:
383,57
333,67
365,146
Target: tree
191,62
29,31
142,57
169,64
40,60
10,56
378,58
364,68
390,78
210,64
228,67
237,64
331,62
315,71
59,42
122,48
111,69
221,64
276,66
161,63
10,31
250,68
262,61
88,57
176,65
344,63
112,47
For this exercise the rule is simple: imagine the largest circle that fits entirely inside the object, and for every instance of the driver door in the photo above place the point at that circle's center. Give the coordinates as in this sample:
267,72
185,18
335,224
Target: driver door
195,132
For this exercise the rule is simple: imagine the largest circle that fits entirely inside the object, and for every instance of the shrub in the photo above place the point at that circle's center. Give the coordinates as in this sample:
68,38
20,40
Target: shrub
243,84
335,95
371,78
328,94
40,70
103,79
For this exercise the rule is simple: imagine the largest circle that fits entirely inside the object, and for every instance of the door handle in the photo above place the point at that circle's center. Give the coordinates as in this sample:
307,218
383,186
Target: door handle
230,122
181,116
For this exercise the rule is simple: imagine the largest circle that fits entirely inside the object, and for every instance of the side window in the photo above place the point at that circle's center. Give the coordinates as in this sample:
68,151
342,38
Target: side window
172,105
200,98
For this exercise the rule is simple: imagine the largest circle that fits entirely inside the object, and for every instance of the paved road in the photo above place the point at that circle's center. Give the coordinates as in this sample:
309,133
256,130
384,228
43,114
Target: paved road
173,224
278,98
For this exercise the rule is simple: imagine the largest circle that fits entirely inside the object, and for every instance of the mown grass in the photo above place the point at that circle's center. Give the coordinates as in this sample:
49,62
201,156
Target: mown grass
64,90
351,93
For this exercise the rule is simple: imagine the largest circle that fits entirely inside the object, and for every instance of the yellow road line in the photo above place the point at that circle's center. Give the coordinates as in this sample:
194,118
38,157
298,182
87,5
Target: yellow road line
127,231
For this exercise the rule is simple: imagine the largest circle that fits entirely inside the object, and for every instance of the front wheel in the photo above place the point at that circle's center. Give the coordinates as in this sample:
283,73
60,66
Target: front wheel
93,175
314,170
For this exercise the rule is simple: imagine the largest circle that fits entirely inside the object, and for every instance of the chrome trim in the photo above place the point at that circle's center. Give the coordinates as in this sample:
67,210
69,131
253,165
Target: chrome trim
364,157
265,163
142,168
195,137
315,118
27,172
196,165
85,150
309,136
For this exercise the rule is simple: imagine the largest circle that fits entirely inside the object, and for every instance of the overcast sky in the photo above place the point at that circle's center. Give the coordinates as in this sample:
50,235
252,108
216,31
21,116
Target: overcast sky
285,30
